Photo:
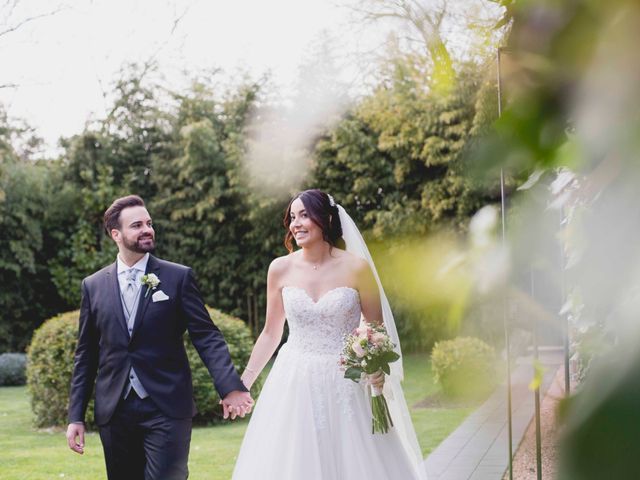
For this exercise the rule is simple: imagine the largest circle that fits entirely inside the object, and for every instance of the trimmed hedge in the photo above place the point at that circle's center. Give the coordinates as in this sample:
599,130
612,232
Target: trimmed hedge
50,365
464,366
13,369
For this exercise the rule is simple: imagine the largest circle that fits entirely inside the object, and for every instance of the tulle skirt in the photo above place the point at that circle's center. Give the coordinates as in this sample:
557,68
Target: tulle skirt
311,423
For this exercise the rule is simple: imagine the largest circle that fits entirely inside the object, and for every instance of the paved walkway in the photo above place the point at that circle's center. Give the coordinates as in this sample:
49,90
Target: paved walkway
478,448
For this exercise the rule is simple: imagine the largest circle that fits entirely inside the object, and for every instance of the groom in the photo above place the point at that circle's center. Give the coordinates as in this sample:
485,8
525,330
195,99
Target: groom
132,318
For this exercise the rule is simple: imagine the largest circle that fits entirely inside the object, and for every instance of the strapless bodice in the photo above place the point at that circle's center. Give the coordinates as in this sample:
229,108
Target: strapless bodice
319,327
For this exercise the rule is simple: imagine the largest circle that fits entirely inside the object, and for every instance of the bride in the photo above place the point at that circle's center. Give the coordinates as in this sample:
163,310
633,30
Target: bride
310,422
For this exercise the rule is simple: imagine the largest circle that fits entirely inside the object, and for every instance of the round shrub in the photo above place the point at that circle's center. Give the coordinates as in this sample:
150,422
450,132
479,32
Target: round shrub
49,368
13,369
50,365
240,342
464,366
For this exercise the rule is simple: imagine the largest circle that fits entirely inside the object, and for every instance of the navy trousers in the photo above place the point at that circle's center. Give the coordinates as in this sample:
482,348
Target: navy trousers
141,443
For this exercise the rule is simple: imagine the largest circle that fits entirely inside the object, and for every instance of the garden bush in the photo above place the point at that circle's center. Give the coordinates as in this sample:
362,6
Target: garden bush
13,369
464,366
49,368
50,365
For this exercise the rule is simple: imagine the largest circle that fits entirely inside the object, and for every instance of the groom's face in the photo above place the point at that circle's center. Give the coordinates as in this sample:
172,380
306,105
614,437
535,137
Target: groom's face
136,232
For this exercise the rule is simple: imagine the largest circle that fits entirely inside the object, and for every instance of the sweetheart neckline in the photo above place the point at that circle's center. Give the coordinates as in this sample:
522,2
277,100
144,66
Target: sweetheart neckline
316,302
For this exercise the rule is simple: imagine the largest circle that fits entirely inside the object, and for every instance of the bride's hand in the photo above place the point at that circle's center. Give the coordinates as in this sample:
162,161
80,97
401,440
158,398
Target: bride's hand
376,380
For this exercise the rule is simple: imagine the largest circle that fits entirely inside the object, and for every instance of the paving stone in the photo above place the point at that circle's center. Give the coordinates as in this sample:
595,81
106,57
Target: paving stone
477,449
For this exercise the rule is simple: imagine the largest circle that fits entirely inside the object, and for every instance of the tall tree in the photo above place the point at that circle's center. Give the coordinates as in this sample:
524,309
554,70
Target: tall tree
398,157
443,33
26,296
202,204
110,159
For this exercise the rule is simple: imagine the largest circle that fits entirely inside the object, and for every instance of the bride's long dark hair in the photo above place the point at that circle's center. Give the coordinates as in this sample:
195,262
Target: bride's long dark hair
318,206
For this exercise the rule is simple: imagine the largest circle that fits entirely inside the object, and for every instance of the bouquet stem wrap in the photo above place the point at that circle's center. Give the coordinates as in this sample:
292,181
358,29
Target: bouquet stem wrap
381,420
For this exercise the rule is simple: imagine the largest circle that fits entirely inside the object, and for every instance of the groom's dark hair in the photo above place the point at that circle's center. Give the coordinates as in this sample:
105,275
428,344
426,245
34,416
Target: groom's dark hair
112,215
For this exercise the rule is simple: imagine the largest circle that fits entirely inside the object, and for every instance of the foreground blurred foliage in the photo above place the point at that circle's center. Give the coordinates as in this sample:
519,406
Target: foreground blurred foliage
570,122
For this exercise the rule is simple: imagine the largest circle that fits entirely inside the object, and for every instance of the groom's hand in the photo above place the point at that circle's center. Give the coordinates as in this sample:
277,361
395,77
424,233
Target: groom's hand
236,403
76,430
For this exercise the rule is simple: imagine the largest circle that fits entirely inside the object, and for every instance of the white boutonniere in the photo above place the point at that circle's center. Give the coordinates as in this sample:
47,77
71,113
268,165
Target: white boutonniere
152,281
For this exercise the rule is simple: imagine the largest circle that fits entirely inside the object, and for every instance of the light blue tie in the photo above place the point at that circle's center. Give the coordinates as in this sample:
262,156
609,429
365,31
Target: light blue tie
130,291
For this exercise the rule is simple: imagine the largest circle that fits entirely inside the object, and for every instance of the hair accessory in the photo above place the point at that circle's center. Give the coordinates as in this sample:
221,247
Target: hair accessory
332,202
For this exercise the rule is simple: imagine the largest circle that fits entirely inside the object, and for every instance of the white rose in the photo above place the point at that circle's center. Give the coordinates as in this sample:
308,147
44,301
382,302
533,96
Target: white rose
357,348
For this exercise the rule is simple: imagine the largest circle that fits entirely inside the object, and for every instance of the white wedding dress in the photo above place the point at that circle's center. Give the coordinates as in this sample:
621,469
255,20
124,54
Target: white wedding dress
310,422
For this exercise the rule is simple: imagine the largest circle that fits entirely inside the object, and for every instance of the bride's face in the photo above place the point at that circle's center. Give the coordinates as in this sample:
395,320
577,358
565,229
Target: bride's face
304,230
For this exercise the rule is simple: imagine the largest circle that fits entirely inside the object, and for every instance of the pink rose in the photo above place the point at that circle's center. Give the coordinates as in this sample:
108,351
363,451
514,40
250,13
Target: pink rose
362,331
378,339
357,348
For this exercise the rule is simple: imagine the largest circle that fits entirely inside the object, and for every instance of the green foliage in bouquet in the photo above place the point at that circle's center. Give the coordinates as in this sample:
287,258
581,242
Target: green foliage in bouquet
367,350
464,366
376,363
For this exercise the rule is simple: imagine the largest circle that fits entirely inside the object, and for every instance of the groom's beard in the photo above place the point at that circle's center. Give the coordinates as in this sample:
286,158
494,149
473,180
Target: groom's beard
143,244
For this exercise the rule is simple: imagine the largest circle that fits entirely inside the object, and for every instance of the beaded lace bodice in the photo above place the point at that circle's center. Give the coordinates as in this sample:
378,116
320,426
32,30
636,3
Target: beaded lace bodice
319,327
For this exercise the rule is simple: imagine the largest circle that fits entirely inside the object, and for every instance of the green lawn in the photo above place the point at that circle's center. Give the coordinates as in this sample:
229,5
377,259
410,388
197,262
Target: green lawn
432,425
27,454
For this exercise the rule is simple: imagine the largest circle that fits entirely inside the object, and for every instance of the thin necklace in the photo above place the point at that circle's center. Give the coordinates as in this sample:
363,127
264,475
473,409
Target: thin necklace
315,266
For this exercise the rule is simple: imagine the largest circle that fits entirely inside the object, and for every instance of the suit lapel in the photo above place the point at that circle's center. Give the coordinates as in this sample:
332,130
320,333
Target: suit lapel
116,300
152,267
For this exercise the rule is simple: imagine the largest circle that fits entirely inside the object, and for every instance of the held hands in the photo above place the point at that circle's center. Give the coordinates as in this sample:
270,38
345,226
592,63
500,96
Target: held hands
236,403
76,430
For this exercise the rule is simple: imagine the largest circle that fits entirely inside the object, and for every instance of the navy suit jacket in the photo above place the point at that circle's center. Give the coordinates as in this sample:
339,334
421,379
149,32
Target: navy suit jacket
155,348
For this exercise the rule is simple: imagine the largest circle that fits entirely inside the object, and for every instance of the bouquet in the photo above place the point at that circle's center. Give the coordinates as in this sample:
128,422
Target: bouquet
367,350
